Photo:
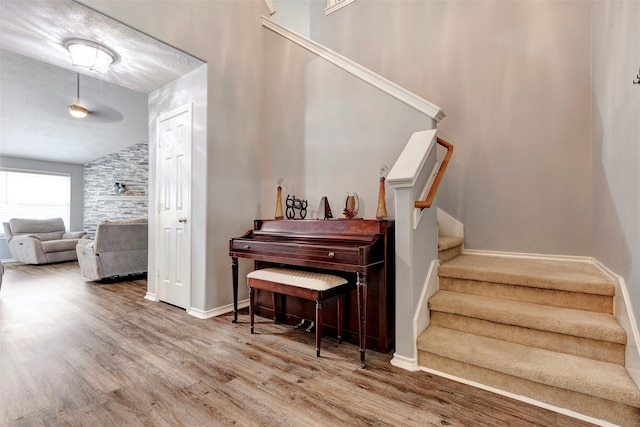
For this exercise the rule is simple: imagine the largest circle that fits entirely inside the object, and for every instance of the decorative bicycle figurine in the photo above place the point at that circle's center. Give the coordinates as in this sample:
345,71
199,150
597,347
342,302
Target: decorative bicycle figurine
294,205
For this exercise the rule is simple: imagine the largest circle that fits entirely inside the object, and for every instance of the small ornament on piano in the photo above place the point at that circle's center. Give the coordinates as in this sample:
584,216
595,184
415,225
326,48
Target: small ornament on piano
293,205
350,205
381,213
324,210
279,214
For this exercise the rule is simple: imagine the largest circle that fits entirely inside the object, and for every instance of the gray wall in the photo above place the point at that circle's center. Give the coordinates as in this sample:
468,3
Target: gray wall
326,132
129,166
77,189
616,141
514,81
189,89
227,35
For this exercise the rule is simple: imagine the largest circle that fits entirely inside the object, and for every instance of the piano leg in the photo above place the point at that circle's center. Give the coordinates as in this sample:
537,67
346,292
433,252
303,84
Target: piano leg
340,316
361,287
234,274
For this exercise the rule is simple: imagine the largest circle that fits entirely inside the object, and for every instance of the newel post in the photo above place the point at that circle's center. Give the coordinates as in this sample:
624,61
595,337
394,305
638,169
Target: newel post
416,239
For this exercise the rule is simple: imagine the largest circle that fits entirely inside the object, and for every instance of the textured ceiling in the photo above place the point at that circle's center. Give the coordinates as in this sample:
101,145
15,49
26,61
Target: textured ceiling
38,82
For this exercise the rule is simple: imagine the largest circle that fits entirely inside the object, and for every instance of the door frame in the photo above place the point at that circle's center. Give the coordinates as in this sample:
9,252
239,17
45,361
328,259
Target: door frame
158,226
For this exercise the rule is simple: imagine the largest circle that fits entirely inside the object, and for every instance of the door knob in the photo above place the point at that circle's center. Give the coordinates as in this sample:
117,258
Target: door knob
182,220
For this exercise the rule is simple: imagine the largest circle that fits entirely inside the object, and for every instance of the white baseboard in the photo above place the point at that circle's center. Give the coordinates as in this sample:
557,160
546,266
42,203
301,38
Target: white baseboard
525,399
151,297
406,363
202,314
522,255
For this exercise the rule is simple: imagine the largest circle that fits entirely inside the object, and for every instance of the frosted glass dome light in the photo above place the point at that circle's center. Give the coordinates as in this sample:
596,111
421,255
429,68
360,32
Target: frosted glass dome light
90,55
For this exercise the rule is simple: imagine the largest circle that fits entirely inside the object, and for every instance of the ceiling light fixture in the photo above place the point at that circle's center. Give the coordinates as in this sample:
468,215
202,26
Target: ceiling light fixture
77,110
90,55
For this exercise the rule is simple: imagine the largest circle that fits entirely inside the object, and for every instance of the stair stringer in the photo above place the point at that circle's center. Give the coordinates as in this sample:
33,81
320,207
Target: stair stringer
420,318
449,226
623,312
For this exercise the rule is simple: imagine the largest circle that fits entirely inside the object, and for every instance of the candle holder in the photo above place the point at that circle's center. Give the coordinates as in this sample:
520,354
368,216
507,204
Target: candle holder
279,213
381,213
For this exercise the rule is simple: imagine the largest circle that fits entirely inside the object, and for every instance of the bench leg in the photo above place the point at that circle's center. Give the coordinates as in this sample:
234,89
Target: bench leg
318,326
340,314
273,301
252,308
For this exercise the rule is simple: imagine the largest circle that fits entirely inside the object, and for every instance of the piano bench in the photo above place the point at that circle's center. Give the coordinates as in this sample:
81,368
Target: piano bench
303,284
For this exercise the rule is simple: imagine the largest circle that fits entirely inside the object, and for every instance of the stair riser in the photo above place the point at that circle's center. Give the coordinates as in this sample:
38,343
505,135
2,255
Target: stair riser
613,412
555,298
449,254
577,346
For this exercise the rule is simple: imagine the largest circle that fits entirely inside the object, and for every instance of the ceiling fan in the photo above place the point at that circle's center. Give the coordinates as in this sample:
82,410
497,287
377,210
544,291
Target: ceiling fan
100,113
77,110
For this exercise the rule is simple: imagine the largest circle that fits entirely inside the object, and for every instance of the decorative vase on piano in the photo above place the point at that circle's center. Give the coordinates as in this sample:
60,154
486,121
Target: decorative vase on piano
351,205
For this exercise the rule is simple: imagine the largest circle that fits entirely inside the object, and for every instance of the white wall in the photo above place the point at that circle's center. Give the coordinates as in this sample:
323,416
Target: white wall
227,35
616,141
514,81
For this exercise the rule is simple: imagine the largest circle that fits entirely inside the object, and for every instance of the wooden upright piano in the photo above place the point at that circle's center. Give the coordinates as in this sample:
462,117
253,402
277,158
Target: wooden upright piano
360,250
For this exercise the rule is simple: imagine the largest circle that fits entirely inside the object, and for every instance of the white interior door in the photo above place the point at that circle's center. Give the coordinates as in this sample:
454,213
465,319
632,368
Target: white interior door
173,178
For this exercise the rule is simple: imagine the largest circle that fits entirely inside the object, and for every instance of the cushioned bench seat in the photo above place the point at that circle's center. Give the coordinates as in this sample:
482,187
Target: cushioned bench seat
303,284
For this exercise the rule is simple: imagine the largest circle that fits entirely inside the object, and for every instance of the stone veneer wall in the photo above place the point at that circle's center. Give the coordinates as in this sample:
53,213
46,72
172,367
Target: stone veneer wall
101,199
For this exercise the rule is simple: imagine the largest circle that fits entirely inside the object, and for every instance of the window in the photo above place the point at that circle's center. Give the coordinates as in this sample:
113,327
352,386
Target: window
27,194
333,5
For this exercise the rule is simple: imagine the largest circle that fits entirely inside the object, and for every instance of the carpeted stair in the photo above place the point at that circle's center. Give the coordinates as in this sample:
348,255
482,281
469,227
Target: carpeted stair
537,328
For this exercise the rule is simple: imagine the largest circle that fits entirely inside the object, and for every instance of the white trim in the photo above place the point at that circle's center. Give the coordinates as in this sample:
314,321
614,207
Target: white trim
523,255
151,297
623,312
407,168
270,6
420,318
406,363
219,311
525,399
449,226
337,5
358,70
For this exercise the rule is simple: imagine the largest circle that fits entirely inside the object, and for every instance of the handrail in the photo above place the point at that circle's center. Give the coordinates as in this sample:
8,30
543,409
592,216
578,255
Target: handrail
436,182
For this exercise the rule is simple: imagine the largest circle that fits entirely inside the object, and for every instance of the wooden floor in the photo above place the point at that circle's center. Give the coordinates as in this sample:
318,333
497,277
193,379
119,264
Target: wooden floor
99,354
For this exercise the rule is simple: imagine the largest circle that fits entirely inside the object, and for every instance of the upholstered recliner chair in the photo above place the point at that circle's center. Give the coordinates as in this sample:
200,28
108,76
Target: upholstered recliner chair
120,248
41,241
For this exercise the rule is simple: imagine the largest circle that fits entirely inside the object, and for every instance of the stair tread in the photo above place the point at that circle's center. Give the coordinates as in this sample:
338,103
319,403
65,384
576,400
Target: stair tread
448,242
538,273
568,321
600,379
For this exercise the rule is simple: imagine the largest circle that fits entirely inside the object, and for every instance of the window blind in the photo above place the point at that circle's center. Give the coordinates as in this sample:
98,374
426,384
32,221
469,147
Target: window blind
34,195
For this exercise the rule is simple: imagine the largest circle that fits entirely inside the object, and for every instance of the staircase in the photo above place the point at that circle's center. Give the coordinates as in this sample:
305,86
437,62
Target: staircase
536,328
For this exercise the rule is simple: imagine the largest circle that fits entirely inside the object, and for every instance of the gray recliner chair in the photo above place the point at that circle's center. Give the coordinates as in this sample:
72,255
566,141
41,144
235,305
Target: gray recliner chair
41,241
120,248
